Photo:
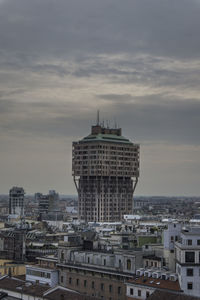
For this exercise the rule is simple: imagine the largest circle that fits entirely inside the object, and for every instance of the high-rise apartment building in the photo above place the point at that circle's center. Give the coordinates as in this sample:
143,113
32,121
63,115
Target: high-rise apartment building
105,167
16,201
47,204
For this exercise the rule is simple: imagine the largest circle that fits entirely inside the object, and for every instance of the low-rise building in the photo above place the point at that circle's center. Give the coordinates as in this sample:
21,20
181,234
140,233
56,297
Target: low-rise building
37,274
142,287
96,272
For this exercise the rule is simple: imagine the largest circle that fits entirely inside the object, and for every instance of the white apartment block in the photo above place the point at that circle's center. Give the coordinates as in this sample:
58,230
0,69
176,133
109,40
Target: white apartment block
40,275
170,236
187,253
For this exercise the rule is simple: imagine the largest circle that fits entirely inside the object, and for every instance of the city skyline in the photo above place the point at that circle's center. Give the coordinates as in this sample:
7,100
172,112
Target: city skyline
138,63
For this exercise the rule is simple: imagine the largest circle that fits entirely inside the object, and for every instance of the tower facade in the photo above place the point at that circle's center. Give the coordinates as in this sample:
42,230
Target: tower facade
16,201
105,167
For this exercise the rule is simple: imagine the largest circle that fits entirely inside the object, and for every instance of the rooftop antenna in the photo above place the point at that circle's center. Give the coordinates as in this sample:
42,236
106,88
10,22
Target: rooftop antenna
115,123
98,117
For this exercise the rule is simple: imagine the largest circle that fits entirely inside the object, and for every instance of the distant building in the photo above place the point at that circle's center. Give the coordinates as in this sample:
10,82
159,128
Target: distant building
12,245
16,201
47,204
105,167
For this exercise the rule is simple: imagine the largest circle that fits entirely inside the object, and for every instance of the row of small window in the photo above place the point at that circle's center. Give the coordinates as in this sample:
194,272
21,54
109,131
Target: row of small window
189,242
102,275
151,263
102,285
104,147
138,293
38,273
79,171
104,153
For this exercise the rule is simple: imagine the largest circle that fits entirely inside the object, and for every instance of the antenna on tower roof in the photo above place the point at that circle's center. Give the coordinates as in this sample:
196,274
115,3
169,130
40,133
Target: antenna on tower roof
98,117
115,123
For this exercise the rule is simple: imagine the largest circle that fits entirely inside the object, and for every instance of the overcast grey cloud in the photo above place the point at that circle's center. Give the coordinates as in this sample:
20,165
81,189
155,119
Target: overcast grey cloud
137,61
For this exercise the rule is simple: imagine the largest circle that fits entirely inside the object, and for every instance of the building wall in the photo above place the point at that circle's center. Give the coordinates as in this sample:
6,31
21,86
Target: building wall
120,260
171,235
152,263
187,253
139,292
184,279
42,275
12,269
109,287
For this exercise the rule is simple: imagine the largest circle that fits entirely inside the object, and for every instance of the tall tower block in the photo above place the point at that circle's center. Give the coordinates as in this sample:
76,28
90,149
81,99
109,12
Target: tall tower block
105,168
16,201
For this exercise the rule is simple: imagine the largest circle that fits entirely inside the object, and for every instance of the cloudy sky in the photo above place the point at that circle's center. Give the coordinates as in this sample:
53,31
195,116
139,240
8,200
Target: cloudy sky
137,61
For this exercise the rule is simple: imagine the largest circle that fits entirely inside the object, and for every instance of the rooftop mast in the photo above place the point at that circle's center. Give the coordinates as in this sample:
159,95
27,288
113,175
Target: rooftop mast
98,117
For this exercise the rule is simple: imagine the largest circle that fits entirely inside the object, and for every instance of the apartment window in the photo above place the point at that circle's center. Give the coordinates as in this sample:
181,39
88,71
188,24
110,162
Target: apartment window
189,272
128,264
147,294
77,281
189,242
155,264
110,288
104,262
131,291
61,278
85,283
189,257
102,286
70,280
139,293
92,284
119,290
198,242
189,286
